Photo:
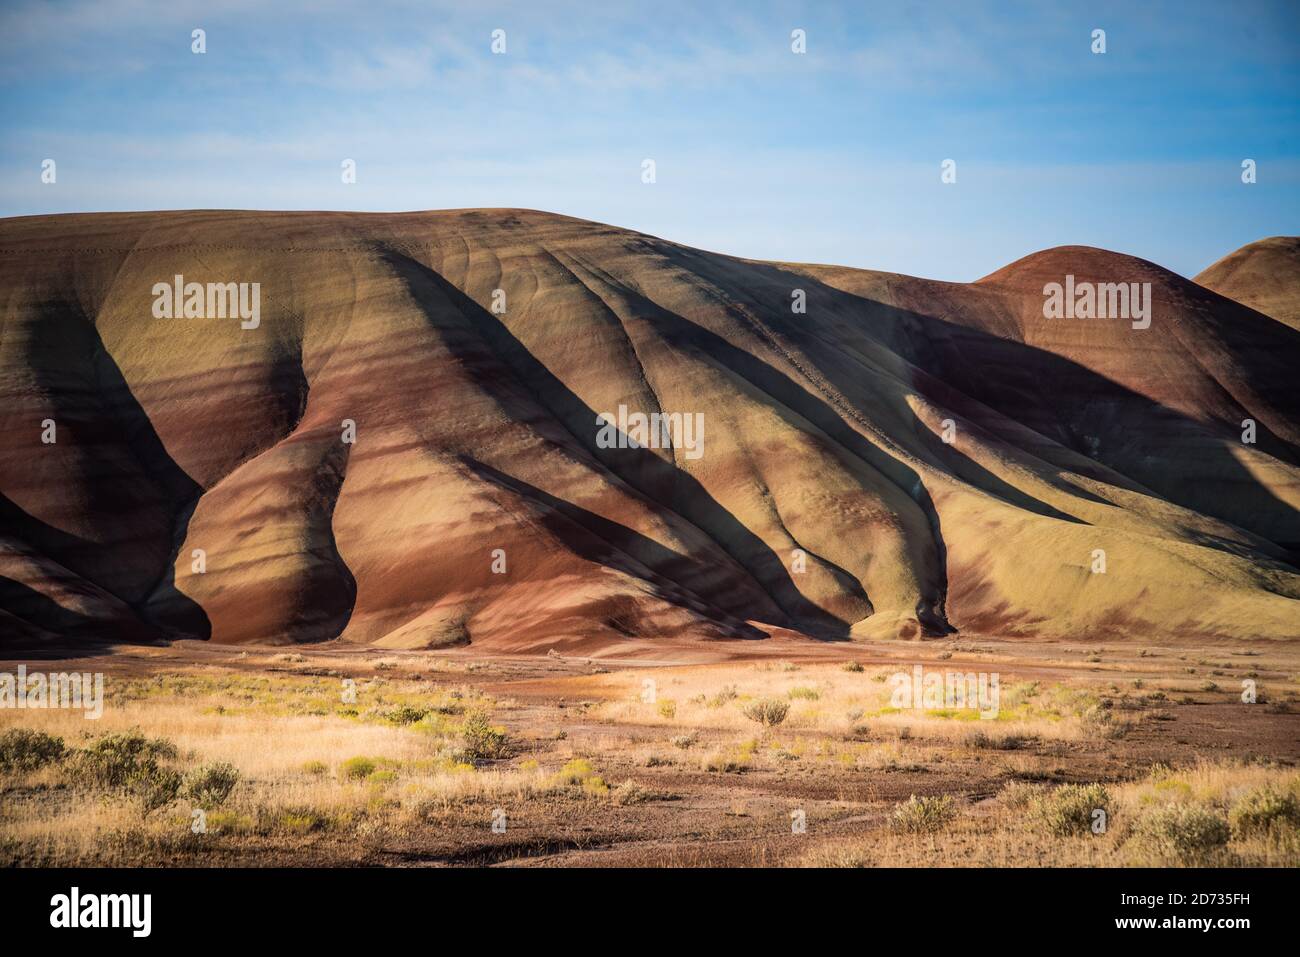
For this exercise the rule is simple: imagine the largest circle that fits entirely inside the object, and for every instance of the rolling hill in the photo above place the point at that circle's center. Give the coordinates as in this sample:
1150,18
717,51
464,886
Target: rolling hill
404,446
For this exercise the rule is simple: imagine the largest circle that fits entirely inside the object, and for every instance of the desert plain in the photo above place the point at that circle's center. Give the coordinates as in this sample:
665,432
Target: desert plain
655,761
367,585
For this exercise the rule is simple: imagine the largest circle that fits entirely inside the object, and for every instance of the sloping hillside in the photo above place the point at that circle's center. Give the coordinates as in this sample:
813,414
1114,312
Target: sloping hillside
901,458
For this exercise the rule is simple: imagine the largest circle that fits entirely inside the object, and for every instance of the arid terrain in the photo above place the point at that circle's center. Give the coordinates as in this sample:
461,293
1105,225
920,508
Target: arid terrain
367,585
655,761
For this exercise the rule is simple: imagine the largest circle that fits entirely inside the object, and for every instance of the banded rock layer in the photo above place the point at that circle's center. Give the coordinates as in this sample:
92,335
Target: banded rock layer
903,458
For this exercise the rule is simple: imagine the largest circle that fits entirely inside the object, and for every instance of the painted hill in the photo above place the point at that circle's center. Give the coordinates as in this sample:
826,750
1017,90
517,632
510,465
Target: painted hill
881,456
1264,275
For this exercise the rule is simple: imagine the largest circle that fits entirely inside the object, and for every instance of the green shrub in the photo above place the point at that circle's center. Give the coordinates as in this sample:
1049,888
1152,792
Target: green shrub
155,786
1185,831
128,762
922,815
209,786
121,761
809,694
406,714
768,711
482,742
24,750
299,820
574,772
1261,810
355,769
1067,810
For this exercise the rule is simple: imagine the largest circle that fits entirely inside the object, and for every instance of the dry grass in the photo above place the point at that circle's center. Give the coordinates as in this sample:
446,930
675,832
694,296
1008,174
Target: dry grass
834,701
420,766
297,771
1166,819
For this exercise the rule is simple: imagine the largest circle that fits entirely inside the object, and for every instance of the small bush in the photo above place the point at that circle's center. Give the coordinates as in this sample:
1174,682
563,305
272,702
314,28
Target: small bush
1186,831
574,772
723,762
356,769
482,742
120,761
922,815
1018,795
300,820
209,786
629,792
1099,722
768,711
1261,810
155,786
315,767
854,666
668,709
724,696
24,750
808,694
685,741
1067,810
406,714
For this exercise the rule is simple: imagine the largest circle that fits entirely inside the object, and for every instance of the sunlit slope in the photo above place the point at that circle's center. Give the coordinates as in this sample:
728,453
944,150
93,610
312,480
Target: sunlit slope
202,482
1263,275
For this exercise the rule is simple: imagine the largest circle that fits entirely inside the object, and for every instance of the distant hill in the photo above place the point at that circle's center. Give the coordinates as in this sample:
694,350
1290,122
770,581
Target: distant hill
882,456
1264,275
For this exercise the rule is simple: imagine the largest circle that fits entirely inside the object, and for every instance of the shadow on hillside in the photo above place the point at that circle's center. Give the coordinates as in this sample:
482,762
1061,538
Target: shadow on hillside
648,473
970,371
93,402
602,548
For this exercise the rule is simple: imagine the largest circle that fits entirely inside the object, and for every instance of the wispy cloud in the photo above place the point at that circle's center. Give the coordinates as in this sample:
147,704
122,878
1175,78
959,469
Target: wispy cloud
830,155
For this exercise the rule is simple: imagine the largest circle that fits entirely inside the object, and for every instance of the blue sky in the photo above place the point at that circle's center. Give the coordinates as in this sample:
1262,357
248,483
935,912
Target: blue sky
831,156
